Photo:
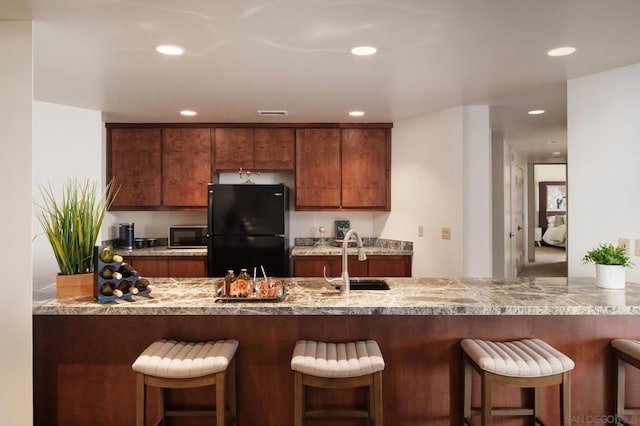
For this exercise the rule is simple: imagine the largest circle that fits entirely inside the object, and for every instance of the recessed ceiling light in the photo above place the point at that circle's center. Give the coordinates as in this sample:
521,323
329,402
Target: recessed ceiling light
356,113
168,49
555,154
536,111
188,113
363,50
561,51
552,141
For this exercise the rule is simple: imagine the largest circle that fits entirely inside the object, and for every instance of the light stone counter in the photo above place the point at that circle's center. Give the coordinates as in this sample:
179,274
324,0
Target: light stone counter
408,296
162,251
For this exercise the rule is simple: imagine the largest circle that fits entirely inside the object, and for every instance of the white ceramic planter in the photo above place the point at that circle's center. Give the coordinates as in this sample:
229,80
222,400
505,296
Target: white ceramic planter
610,276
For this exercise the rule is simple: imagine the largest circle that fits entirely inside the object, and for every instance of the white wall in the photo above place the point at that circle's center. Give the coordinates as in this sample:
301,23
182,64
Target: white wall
67,142
603,172
16,407
427,189
478,247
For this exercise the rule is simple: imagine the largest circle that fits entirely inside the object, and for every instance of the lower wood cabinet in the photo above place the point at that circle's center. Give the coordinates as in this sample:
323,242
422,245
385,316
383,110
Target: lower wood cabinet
374,266
169,266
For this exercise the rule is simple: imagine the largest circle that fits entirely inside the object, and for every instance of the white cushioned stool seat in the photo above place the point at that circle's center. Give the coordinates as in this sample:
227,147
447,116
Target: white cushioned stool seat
350,359
337,366
530,364
171,364
626,354
520,358
628,346
172,359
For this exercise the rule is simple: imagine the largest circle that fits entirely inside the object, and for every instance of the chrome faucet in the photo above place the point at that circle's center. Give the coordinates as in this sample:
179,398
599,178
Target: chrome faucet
343,282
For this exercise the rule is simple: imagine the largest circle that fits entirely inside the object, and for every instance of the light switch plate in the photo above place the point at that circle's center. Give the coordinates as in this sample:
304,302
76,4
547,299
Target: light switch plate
420,230
446,233
625,243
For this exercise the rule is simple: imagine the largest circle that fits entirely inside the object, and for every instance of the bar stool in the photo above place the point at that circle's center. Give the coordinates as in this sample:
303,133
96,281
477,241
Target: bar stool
337,366
529,363
169,364
625,352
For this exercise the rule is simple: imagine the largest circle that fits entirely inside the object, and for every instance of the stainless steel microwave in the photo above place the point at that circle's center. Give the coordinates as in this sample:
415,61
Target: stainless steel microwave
187,236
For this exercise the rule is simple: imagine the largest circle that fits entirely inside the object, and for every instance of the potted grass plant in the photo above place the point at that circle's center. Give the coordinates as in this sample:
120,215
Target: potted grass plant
610,262
72,225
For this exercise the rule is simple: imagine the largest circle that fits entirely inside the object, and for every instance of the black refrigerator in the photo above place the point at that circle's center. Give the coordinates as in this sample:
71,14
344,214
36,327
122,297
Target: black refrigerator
248,226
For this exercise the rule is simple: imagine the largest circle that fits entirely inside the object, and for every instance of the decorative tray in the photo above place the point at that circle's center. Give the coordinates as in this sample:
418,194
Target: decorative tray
279,297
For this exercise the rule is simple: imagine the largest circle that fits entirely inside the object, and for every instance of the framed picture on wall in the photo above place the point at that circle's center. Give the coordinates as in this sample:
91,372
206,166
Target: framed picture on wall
342,227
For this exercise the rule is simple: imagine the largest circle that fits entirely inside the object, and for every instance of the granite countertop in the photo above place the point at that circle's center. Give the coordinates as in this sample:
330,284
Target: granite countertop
408,296
162,251
372,247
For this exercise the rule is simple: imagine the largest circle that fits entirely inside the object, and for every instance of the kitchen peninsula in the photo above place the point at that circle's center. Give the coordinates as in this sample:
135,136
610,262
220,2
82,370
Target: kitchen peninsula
83,350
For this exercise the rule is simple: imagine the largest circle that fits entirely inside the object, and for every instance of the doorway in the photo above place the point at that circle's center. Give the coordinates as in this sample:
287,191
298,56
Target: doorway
548,251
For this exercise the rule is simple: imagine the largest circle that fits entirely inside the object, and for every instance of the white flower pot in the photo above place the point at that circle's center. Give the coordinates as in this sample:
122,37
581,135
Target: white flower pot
610,276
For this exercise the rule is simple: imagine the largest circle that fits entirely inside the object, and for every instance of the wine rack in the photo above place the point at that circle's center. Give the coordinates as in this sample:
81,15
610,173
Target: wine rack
99,282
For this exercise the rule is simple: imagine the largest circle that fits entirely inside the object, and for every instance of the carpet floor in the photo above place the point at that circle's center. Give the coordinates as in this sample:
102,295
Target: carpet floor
550,262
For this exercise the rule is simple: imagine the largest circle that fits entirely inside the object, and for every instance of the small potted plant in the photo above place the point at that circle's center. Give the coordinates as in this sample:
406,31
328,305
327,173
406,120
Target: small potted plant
610,262
72,224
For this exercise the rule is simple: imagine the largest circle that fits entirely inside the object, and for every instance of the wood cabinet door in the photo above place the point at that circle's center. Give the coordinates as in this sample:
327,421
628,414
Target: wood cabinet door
151,266
134,164
186,167
389,266
274,149
188,267
317,168
366,168
312,266
233,149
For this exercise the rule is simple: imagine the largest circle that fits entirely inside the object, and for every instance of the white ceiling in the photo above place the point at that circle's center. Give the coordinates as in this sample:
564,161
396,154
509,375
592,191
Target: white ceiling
248,55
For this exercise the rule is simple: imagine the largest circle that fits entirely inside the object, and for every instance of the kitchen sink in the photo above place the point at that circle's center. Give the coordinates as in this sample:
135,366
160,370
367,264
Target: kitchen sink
369,284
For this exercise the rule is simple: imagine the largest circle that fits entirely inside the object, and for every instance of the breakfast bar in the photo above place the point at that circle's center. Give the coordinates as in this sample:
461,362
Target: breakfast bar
83,350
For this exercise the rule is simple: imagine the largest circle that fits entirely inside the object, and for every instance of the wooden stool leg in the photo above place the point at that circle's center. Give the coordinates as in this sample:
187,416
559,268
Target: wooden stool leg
486,385
220,398
536,405
232,396
377,399
160,408
140,400
468,376
298,399
565,399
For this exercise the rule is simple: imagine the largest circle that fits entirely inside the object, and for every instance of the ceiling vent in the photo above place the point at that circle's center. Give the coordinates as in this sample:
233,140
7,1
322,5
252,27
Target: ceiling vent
268,113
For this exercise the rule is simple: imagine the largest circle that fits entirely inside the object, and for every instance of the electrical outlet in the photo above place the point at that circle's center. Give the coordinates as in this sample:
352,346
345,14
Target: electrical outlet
420,230
637,248
625,243
446,233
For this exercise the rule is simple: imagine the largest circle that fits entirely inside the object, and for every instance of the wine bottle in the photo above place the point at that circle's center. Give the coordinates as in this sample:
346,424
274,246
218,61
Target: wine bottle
117,258
109,272
109,289
143,285
126,287
107,255
126,270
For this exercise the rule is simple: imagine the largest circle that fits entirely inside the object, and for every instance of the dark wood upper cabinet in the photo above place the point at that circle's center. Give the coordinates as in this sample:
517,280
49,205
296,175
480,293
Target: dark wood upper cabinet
343,169
259,149
365,168
233,149
317,168
134,163
186,167
273,149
